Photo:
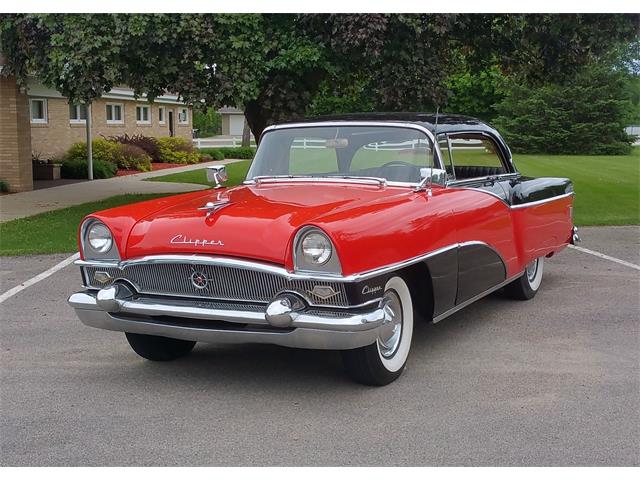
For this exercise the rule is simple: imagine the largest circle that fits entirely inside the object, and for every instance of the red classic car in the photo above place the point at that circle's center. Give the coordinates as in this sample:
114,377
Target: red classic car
345,230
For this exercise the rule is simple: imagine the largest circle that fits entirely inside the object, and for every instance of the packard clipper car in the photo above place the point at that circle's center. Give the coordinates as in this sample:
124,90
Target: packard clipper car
346,231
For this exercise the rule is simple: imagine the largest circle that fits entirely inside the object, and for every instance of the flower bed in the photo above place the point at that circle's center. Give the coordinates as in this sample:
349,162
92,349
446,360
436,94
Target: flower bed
154,167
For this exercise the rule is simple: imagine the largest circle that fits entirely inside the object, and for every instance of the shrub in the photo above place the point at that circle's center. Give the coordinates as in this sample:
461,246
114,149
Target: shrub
587,116
4,186
148,144
205,157
244,153
131,157
214,153
103,150
177,150
77,168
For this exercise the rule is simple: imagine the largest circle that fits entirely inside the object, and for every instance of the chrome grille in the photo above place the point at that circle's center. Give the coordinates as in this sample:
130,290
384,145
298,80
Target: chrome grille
224,283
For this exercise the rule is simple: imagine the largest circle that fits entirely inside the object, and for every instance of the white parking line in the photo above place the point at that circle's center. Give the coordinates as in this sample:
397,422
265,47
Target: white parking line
606,257
10,293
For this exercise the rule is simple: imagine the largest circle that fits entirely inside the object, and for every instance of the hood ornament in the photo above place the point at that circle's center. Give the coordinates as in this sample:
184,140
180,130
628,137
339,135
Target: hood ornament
217,174
211,207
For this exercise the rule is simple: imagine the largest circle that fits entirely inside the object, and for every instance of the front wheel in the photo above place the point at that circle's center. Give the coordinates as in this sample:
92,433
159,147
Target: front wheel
159,349
383,361
526,287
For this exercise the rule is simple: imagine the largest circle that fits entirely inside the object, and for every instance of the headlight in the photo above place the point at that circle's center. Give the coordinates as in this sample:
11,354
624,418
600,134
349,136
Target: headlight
316,248
313,251
99,238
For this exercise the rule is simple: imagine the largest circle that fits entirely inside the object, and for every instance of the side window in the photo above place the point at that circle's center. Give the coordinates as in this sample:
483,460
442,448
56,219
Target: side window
475,156
309,156
445,151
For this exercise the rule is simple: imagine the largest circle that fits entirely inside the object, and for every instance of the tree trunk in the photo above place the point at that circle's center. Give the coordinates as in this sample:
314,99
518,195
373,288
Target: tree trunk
256,119
246,134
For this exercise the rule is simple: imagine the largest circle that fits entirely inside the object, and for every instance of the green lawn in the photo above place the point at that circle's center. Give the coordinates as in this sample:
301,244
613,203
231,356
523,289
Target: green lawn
55,231
607,193
236,171
607,187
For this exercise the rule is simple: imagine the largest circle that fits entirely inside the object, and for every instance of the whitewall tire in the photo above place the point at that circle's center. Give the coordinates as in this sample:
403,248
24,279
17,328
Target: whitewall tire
526,287
383,361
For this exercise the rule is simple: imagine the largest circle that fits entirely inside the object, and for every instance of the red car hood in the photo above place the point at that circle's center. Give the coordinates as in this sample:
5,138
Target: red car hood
258,222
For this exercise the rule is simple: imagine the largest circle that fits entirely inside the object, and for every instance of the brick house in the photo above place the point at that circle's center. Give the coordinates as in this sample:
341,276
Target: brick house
41,122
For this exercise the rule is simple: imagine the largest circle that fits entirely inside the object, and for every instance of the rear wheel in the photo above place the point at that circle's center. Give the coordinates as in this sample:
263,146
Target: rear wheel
383,361
159,349
526,287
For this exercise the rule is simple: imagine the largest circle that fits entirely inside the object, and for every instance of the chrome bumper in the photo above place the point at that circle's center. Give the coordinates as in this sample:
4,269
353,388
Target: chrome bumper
230,323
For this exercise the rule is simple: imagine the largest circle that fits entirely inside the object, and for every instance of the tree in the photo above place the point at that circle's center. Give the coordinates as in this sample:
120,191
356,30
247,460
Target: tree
275,67
586,117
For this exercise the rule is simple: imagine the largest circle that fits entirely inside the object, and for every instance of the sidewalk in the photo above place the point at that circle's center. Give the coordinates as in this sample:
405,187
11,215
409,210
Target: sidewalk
24,204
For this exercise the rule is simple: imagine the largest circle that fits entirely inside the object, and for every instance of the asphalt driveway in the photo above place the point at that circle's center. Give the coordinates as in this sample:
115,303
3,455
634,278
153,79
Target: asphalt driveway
552,381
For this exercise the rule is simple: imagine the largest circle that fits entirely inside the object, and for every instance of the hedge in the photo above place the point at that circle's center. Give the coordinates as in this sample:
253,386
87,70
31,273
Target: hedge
243,153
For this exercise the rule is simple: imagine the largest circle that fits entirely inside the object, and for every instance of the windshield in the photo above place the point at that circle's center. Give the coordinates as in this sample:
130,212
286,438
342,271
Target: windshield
396,154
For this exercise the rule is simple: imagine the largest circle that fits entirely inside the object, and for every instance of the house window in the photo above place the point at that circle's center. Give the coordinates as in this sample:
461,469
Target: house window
142,114
38,109
161,119
114,113
77,113
183,116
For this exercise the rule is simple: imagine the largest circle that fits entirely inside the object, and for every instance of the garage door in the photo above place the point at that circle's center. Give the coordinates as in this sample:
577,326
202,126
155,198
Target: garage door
236,124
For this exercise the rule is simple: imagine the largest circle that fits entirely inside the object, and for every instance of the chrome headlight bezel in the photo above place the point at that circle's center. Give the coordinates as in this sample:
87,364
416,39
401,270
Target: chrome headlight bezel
88,250
303,262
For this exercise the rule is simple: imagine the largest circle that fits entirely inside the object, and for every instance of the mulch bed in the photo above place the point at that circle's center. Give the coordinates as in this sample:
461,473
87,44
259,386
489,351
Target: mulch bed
154,167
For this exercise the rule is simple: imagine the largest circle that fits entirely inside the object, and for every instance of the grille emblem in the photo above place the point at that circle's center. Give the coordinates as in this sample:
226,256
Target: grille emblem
199,280
323,292
102,277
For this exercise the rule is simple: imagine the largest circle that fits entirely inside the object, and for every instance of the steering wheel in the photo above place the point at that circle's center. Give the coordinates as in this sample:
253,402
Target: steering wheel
399,163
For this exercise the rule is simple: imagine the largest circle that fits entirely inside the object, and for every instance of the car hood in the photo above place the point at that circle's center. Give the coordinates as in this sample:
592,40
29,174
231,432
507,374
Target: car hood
259,222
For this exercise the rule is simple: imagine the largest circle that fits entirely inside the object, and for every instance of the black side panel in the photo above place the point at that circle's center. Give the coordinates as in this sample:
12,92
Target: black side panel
444,278
525,189
479,269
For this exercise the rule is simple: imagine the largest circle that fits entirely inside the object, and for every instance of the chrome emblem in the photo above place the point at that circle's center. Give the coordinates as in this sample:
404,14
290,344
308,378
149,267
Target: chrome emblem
199,280
324,292
102,277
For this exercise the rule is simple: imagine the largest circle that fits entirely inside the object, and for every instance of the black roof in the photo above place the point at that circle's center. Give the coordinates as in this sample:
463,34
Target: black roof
447,123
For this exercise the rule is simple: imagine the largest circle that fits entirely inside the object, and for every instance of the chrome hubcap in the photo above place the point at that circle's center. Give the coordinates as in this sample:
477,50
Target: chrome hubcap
391,330
532,269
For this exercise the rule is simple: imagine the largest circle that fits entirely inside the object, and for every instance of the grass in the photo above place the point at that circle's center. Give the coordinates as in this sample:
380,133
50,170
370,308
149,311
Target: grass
55,231
607,187
607,193
236,172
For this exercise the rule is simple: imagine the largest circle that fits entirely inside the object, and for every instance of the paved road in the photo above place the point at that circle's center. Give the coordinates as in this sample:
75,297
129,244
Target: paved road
552,381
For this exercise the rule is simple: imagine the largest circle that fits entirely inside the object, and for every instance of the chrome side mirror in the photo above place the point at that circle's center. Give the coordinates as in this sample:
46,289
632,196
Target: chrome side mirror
217,174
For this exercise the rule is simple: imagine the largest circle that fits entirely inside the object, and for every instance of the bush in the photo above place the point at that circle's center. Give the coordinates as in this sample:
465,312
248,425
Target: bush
148,144
244,153
207,121
103,150
77,168
131,157
205,157
587,116
4,186
177,150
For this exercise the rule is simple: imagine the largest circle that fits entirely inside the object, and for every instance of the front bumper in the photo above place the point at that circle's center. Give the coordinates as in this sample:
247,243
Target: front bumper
222,322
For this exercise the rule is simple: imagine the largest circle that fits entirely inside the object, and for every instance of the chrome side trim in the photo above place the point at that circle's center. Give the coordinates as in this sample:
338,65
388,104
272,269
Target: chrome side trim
226,261
460,306
540,202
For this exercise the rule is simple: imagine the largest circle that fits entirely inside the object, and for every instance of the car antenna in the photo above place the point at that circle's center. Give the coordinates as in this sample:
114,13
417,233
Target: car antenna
433,158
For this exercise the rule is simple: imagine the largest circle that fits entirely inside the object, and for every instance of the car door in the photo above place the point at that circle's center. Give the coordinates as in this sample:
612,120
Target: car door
487,253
